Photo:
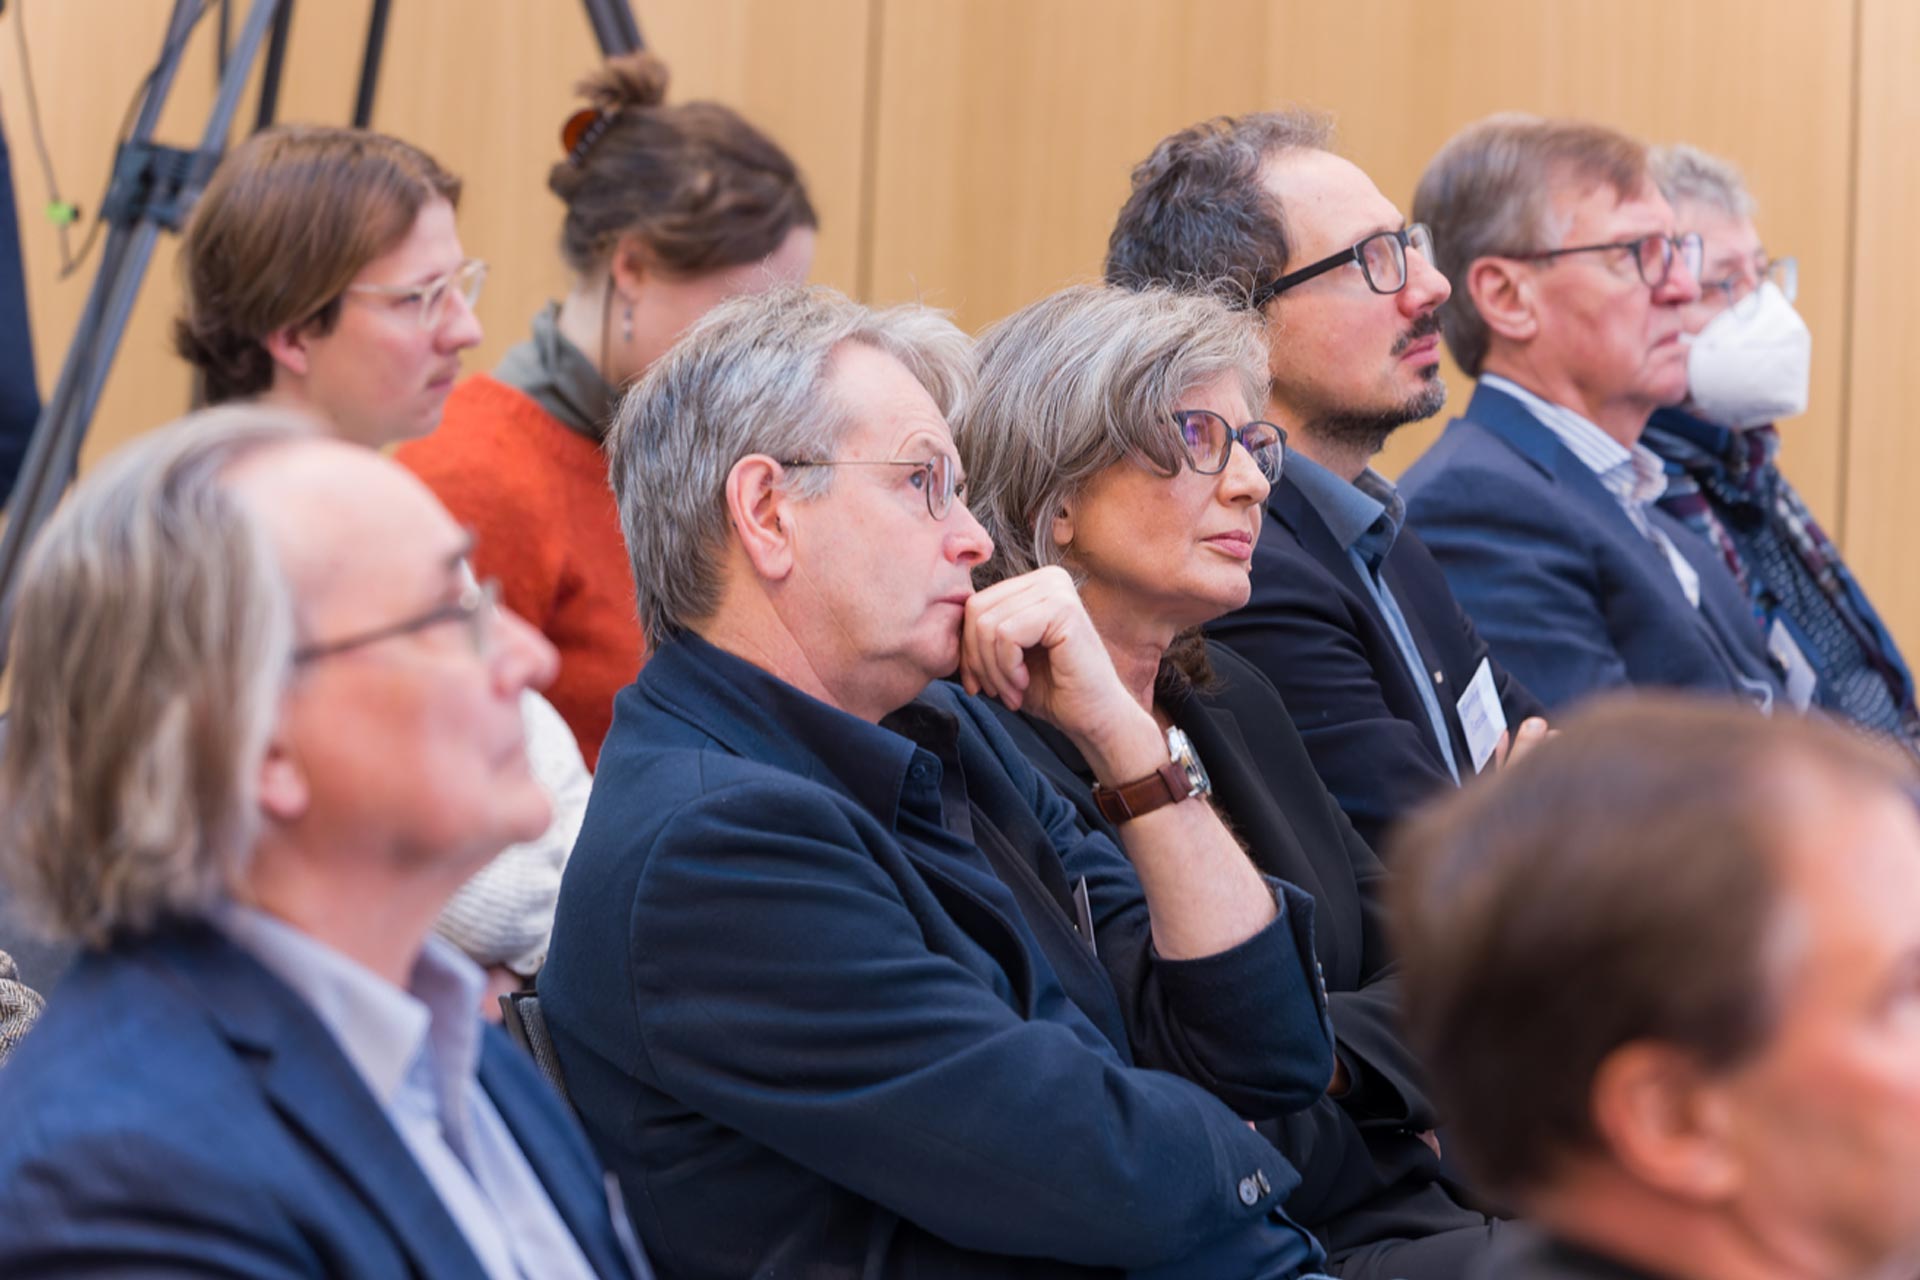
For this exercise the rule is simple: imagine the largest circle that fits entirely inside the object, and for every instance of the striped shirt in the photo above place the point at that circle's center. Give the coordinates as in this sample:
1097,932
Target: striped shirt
1635,476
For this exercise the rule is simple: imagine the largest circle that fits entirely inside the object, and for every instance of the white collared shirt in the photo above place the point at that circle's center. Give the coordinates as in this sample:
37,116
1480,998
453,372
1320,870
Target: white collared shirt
1634,476
418,1052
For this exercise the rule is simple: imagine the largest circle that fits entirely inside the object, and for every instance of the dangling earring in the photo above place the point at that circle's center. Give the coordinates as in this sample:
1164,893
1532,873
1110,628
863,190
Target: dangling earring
626,324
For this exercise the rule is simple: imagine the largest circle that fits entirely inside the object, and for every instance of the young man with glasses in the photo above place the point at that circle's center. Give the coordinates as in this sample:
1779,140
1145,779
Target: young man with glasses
254,750
1747,367
1571,284
1350,618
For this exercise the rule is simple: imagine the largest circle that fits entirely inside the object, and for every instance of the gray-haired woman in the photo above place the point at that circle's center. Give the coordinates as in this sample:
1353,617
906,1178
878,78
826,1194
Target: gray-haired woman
1115,433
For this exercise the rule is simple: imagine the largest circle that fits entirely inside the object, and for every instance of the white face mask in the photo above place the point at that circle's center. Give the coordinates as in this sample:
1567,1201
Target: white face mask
1750,365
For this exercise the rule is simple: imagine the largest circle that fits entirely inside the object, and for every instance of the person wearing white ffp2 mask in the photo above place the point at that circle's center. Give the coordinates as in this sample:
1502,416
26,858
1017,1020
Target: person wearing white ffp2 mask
1748,367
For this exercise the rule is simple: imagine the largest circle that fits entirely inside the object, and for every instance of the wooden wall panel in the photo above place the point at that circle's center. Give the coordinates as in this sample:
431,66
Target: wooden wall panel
1883,453
1007,128
482,84
973,152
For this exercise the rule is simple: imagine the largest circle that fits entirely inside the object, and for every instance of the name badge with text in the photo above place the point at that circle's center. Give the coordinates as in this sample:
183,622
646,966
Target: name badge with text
1482,716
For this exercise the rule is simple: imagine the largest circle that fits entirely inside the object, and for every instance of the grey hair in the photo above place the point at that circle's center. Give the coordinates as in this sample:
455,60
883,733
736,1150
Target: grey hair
749,378
1198,216
1687,175
153,633
1489,193
1079,381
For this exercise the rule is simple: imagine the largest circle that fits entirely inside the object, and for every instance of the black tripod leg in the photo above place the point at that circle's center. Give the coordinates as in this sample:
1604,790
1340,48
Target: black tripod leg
57,437
614,26
370,65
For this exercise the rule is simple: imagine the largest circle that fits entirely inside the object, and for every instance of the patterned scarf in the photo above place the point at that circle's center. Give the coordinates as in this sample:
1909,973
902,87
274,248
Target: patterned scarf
1710,466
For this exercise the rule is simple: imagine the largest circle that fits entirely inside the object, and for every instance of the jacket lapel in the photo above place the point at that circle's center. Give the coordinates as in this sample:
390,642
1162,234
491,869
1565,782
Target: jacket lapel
1292,508
558,1156
308,1080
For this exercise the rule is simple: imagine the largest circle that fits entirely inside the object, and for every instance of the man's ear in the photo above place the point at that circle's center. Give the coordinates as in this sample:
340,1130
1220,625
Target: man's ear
1668,1122
760,511
283,791
1503,293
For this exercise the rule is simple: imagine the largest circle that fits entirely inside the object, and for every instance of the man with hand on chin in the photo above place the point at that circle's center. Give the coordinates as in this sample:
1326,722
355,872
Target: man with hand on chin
840,984
1570,282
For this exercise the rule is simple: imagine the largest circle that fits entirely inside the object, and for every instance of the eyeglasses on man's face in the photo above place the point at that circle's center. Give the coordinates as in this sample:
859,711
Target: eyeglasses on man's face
1740,288
1653,255
1382,257
1209,441
476,607
938,478
429,302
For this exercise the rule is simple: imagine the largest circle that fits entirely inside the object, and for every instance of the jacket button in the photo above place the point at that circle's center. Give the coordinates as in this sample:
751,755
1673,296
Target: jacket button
1249,1192
1260,1176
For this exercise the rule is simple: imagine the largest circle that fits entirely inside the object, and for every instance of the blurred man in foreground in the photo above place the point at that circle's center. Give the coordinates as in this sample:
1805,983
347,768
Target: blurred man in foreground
1727,1084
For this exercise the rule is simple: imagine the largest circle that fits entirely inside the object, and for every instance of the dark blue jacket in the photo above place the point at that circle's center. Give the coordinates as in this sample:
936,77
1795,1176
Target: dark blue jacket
1570,595
180,1110
1312,628
819,1032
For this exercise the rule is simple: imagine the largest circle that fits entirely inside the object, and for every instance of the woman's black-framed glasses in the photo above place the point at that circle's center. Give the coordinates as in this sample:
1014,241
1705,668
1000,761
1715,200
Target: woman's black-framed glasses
476,606
1382,257
1653,254
939,479
1209,441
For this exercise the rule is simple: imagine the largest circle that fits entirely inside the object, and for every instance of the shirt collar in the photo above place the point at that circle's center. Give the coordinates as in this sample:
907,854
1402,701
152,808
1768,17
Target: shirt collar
1633,474
754,713
560,378
1364,515
380,1028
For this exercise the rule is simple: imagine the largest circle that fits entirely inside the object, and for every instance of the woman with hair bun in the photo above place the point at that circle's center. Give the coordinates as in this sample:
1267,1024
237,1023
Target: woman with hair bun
670,210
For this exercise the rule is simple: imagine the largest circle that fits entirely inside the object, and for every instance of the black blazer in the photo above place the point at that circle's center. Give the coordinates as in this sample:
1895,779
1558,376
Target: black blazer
1312,628
1365,1175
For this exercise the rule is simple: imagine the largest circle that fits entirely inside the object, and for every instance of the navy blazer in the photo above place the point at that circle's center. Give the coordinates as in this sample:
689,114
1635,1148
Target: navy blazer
1570,595
1312,628
180,1109
818,1032
1366,1177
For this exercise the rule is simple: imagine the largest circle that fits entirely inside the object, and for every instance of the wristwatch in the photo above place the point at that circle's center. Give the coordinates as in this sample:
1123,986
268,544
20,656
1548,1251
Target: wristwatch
1181,778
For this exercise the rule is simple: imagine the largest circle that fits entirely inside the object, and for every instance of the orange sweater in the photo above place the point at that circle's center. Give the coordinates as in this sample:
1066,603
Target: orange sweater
537,498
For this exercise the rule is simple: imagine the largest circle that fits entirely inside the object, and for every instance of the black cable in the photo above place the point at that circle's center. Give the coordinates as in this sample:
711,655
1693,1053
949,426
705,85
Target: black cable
63,224
70,263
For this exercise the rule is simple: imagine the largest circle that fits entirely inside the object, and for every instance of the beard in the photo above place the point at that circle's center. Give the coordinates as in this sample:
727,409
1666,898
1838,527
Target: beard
1367,430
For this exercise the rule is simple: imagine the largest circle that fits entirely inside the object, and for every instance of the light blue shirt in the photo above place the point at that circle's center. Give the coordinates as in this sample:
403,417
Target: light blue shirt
418,1051
1365,518
1636,477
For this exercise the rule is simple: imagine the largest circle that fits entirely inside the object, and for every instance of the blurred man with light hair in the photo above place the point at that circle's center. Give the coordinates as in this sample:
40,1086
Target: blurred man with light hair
264,723
1728,1084
840,984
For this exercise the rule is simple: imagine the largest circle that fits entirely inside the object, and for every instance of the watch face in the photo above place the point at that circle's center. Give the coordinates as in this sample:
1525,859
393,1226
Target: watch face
1180,747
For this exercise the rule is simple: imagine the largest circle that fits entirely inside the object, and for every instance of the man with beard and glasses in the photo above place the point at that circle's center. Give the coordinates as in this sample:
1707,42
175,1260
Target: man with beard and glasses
1350,617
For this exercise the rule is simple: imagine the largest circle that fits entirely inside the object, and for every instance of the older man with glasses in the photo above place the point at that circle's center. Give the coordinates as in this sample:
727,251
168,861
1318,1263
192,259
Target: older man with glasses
254,750
1747,367
840,984
1570,288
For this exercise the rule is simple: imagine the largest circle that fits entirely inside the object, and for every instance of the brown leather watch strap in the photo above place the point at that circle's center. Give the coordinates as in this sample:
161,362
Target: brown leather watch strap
1164,786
